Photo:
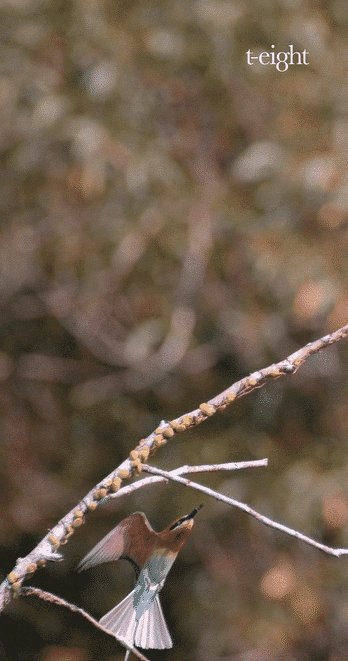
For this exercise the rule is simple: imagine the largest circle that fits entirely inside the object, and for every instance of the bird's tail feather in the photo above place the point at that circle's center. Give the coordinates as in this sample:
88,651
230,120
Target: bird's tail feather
150,631
121,620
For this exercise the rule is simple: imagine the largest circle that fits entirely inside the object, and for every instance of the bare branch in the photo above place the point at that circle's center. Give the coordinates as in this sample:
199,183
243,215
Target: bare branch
288,366
213,468
242,506
204,468
48,596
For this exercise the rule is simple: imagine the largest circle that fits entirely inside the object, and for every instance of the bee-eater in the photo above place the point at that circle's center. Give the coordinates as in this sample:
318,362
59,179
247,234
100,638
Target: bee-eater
138,619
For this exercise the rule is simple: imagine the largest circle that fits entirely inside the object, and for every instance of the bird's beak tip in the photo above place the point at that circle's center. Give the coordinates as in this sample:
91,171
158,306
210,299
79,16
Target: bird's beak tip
194,512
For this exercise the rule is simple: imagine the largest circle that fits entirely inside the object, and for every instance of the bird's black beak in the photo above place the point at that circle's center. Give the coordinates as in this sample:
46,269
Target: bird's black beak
194,512
187,517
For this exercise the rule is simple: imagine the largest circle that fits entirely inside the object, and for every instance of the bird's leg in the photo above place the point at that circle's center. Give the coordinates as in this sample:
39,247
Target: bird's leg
127,655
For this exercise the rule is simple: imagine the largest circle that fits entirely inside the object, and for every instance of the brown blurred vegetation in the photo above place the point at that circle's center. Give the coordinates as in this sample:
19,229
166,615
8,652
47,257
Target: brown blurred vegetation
171,220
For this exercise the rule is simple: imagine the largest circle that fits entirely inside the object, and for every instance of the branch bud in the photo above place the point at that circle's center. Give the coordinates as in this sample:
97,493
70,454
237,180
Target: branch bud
12,577
123,474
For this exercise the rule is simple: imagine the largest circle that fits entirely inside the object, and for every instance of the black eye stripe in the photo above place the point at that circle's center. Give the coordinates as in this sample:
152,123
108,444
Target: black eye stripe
177,523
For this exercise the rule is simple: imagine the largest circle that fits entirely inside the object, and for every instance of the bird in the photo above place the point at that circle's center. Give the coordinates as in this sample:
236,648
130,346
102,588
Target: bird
138,619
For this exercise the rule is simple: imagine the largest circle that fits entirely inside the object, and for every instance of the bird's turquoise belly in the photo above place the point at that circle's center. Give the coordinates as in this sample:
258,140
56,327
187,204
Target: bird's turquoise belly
149,582
159,565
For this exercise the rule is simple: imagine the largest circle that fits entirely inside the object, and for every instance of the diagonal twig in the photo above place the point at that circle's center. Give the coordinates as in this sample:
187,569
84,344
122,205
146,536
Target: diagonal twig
53,599
249,510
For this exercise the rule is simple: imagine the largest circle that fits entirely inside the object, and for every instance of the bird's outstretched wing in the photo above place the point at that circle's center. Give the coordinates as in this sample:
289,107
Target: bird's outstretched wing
133,539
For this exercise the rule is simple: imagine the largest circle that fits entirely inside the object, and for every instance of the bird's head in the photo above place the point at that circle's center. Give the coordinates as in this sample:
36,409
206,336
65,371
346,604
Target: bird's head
177,533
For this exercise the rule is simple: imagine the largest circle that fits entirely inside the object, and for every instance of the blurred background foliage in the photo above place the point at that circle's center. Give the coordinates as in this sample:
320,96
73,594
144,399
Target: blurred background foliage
171,220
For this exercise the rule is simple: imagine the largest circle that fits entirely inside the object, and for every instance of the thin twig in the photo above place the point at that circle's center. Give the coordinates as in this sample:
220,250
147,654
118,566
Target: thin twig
212,468
204,468
52,598
242,506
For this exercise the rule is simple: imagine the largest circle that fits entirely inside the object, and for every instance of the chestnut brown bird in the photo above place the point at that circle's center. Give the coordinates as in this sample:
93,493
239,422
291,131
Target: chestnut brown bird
138,619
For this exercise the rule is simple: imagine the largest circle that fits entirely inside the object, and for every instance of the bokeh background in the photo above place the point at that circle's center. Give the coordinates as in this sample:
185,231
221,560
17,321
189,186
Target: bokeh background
172,220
